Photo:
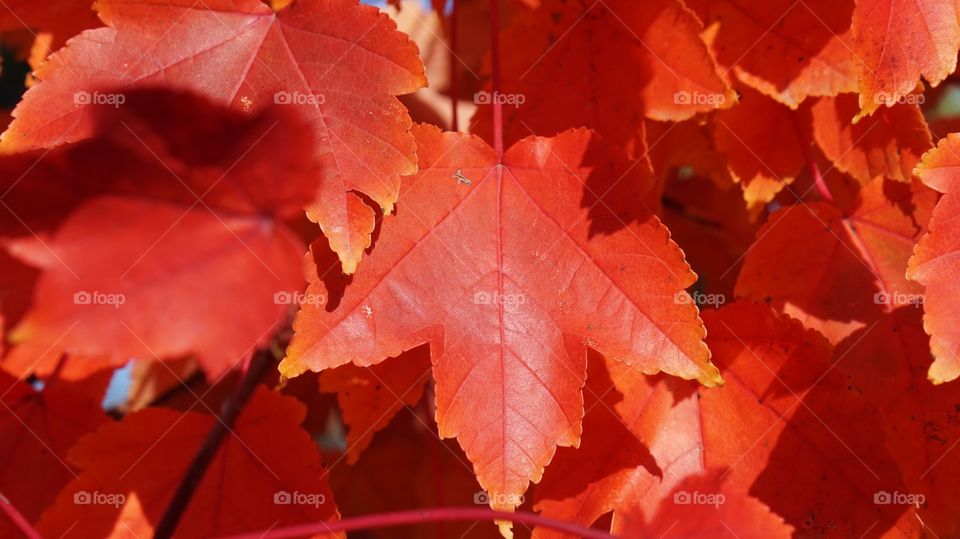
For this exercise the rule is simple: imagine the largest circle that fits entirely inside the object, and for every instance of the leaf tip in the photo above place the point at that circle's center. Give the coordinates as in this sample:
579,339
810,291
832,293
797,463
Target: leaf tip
506,528
942,371
710,376
290,368
349,265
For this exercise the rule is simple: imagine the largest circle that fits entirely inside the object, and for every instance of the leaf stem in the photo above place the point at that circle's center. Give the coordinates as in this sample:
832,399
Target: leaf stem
211,445
419,516
17,517
454,88
57,371
818,180
495,69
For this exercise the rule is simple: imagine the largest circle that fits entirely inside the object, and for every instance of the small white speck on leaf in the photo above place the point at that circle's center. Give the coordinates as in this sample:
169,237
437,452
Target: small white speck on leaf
461,179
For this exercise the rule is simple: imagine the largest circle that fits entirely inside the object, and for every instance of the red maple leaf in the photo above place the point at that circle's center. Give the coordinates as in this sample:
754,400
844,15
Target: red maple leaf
897,42
511,271
38,428
186,225
787,433
267,473
337,62
606,66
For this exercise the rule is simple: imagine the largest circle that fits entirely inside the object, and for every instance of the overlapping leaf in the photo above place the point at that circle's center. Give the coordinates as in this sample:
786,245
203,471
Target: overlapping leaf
679,149
897,42
768,145
688,512
163,236
787,50
713,227
408,467
888,363
788,435
837,270
934,263
266,474
763,142
62,19
370,397
337,62
888,144
37,429
606,66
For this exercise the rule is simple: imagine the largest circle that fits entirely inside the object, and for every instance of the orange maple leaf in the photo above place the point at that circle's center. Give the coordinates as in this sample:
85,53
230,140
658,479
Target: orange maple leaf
511,271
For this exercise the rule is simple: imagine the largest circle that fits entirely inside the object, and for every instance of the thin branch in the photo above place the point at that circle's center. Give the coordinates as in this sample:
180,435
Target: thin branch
211,445
818,182
454,88
495,68
57,371
18,519
420,516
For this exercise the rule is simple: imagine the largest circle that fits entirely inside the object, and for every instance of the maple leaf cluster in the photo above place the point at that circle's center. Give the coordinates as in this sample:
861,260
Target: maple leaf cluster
659,268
